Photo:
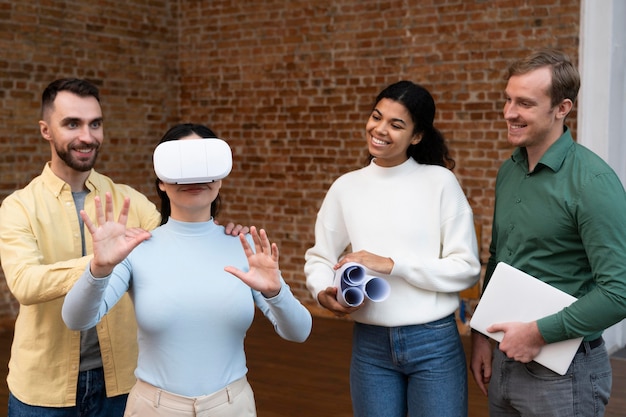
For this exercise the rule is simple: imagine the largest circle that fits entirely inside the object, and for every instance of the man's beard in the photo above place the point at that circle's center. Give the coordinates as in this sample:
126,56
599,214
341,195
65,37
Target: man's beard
75,163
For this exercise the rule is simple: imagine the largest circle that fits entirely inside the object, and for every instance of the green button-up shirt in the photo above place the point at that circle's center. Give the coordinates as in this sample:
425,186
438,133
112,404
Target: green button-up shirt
565,223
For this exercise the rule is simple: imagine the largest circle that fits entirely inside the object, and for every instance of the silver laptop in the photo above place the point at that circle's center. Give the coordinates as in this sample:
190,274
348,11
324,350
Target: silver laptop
513,295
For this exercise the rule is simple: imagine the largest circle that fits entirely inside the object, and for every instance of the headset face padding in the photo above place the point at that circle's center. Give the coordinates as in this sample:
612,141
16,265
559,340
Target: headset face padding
192,161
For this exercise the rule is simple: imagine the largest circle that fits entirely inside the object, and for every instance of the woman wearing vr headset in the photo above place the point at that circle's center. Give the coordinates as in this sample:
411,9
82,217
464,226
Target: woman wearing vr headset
192,312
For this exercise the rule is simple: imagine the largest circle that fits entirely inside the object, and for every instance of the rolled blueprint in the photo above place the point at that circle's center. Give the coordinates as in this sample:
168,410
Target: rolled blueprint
350,296
352,274
354,284
376,289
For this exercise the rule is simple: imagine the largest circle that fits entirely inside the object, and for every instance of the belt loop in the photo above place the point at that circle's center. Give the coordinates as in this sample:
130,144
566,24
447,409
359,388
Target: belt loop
230,399
157,398
587,348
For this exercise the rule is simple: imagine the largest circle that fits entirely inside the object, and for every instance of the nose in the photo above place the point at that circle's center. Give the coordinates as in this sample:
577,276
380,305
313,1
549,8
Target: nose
509,111
381,128
86,135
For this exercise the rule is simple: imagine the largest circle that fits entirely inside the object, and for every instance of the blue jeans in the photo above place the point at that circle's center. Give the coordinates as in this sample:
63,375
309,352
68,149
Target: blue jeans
529,389
91,401
418,369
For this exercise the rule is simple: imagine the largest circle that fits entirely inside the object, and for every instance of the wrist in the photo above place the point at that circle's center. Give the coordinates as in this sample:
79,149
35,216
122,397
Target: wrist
271,294
99,272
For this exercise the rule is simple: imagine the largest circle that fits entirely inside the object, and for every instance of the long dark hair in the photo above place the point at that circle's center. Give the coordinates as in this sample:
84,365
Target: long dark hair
432,149
176,132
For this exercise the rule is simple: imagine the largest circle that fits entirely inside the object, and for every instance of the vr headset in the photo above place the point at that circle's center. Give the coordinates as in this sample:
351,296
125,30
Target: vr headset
192,161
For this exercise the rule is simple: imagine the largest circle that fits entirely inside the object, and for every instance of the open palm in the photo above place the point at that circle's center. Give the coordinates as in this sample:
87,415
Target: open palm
112,241
263,274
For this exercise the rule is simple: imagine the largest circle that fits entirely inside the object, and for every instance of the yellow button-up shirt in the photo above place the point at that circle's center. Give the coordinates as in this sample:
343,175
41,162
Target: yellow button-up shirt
41,255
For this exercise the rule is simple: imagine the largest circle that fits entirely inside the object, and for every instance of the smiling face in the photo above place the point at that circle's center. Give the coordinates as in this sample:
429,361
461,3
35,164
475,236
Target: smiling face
73,126
532,121
191,202
389,132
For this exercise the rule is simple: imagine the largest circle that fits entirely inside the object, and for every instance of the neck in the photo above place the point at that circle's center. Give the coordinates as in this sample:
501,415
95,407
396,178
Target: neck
535,152
191,216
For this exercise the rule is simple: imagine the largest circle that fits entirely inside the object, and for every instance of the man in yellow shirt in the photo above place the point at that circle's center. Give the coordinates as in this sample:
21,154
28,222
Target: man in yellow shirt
43,249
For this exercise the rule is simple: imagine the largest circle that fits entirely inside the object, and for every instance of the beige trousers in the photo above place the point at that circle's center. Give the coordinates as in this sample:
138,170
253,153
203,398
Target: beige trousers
236,400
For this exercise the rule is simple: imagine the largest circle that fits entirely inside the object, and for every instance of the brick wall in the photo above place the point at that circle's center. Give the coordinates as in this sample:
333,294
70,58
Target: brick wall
289,84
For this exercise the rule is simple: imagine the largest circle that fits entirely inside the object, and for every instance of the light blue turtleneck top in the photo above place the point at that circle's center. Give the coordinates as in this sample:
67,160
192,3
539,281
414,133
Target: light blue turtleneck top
192,316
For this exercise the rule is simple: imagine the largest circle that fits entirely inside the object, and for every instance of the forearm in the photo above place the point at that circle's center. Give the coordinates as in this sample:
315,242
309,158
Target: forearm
38,283
584,317
291,320
82,305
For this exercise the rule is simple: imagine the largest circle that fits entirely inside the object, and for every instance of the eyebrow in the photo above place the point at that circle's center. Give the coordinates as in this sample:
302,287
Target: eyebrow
393,120
520,98
78,120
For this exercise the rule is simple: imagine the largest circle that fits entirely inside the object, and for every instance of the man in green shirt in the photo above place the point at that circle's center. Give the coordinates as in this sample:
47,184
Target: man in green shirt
560,215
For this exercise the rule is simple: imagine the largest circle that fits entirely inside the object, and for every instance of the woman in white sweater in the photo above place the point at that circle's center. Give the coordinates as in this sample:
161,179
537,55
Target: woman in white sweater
194,290
405,218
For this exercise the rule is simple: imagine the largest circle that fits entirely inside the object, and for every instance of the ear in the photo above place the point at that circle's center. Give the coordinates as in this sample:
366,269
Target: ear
417,138
45,130
161,186
564,108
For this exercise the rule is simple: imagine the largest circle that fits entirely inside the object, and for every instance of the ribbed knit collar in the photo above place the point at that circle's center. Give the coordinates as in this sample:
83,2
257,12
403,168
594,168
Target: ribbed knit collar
399,170
190,228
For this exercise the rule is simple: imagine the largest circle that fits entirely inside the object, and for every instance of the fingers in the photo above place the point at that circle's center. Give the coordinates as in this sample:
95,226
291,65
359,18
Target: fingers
328,299
482,375
135,232
377,263
99,213
259,237
235,230
275,252
481,382
480,363
107,215
108,208
262,243
497,327
123,218
90,226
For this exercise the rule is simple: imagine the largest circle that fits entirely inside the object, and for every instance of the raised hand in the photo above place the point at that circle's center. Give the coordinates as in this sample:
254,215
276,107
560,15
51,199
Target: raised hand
112,241
263,274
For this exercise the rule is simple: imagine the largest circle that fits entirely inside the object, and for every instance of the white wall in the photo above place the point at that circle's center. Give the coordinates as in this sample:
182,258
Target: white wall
602,99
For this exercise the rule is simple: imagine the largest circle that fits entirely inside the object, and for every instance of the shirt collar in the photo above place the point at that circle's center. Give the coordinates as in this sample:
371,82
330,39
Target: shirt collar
554,156
57,185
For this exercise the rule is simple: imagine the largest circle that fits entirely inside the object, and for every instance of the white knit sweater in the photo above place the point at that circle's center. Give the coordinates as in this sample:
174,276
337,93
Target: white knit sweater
415,214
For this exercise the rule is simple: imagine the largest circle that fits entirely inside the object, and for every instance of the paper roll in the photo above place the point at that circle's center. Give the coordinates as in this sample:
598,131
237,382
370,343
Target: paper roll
353,284
376,289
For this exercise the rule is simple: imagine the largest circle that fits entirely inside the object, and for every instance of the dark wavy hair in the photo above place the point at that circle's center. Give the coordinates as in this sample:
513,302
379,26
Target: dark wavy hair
432,149
80,87
174,133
